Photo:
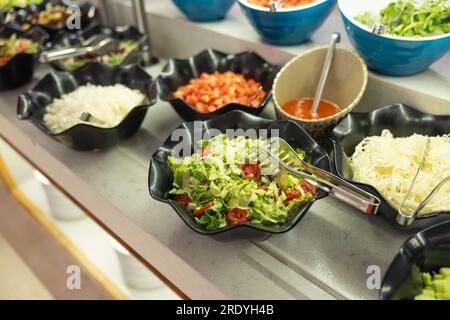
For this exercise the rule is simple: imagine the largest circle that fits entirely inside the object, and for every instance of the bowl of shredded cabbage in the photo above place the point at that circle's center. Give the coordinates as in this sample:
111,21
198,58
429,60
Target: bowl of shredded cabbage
381,151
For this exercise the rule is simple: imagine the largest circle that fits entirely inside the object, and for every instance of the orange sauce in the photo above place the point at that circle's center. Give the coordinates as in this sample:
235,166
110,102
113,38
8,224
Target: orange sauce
302,109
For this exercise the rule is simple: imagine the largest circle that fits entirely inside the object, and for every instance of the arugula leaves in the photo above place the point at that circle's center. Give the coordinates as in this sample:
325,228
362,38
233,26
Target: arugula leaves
406,19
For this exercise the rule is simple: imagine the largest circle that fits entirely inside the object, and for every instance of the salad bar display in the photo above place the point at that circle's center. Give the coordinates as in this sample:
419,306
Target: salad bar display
98,96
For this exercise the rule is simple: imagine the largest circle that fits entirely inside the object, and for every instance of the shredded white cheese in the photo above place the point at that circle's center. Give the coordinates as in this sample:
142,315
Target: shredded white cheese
390,164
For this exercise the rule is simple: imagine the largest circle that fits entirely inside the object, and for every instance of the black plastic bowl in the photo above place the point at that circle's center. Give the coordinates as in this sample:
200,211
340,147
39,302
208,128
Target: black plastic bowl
161,178
178,72
402,121
63,40
89,16
85,137
20,69
425,252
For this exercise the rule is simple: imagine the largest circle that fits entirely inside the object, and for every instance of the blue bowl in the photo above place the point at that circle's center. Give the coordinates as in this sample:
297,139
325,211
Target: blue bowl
204,10
390,55
288,26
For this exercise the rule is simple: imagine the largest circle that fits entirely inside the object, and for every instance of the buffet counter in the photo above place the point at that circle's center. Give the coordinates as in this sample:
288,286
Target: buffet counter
328,255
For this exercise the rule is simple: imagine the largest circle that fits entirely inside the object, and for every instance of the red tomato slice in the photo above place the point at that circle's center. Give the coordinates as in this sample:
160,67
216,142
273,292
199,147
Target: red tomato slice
203,152
250,171
183,199
236,215
202,210
292,194
265,188
308,187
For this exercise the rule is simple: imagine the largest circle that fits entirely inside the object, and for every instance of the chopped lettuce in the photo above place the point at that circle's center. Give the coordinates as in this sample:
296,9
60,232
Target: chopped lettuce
216,176
406,19
9,4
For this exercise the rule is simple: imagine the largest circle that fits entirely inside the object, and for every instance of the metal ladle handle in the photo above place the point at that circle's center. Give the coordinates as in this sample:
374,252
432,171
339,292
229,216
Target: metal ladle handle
335,38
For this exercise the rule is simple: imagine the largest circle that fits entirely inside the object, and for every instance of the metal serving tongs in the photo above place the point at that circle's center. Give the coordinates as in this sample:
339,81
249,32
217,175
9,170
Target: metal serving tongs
99,45
277,156
404,218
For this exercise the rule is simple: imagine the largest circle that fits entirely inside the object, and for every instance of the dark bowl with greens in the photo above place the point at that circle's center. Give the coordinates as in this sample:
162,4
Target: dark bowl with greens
416,34
19,53
213,196
127,52
55,16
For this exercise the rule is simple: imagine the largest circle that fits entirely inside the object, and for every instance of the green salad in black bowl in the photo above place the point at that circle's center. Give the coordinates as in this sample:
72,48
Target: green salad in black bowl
215,185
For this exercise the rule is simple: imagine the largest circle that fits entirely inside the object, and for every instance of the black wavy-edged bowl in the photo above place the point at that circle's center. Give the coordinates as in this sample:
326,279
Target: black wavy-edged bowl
89,16
178,72
161,178
84,137
425,252
20,69
402,121
65,39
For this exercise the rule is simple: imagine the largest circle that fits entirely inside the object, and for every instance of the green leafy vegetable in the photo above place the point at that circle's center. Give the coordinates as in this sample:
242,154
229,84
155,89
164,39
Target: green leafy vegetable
436,286
406,19
9,4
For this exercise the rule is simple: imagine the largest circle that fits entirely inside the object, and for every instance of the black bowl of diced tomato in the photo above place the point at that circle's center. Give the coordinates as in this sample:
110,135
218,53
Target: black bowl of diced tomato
211,83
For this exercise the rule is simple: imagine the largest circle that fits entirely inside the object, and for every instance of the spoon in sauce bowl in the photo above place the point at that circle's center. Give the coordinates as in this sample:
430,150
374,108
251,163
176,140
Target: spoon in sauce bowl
335,38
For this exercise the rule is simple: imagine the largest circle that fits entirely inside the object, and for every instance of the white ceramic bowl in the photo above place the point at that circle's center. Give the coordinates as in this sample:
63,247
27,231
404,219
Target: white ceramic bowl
346,83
